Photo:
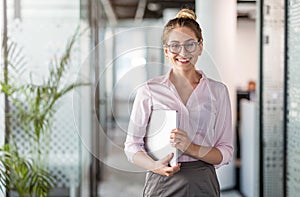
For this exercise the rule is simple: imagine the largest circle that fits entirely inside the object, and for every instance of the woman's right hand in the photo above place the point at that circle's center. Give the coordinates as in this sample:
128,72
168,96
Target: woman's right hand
161,166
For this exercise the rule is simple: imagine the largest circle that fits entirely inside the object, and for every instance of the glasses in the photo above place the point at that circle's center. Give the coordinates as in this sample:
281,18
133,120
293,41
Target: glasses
189,47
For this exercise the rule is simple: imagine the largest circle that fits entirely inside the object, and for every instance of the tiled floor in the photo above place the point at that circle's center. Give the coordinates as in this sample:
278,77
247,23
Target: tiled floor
122,179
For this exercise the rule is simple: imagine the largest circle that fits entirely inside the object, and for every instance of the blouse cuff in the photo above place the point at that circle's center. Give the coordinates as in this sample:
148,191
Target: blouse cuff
225,157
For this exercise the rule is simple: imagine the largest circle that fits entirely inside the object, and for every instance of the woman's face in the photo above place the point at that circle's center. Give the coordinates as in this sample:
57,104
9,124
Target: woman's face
182,48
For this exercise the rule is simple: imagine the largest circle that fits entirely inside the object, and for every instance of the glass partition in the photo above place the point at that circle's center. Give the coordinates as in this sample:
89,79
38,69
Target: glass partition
293,99
41,31
272,84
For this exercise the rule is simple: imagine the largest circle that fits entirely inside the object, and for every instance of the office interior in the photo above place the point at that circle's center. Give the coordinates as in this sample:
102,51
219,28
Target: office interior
251,46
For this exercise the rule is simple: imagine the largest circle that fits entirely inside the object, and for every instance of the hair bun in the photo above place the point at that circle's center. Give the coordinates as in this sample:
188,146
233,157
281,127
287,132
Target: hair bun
186,13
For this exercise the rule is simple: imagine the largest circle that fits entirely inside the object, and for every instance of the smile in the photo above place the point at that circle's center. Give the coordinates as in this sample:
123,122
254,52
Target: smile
183,61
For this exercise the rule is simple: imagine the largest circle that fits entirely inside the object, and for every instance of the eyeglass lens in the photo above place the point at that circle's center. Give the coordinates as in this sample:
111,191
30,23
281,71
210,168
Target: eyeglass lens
189,47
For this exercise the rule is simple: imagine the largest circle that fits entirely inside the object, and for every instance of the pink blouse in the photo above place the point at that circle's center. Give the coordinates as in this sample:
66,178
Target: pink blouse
206,117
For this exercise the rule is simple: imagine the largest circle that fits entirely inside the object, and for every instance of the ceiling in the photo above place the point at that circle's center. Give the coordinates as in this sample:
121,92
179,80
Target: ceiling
118,10
146,9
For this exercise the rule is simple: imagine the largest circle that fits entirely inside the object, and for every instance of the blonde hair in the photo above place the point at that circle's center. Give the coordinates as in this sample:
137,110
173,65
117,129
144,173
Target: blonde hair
184,18
186,13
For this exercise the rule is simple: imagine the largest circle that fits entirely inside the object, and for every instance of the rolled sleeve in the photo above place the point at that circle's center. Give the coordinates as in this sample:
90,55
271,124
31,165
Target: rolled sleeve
134,140
224,141
139,117
132,146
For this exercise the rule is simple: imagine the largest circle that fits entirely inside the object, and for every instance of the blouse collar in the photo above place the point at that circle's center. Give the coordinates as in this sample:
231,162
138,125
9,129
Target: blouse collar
166,79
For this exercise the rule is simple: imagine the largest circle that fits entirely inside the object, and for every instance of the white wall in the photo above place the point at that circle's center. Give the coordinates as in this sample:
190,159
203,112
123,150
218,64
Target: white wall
246,52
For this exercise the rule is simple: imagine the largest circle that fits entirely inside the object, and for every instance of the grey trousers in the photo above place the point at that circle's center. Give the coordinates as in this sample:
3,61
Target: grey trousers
194,179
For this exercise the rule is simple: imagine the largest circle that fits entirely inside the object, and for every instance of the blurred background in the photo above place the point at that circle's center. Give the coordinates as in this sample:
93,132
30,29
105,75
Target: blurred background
70,69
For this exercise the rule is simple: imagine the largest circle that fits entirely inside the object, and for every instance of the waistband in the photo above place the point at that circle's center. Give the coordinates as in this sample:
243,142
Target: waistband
191,164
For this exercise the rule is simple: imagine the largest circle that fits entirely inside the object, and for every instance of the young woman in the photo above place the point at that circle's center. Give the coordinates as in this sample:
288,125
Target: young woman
204,134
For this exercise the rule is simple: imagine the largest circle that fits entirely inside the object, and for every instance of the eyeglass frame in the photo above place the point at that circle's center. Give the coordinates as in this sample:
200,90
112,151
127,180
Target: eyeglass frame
183,45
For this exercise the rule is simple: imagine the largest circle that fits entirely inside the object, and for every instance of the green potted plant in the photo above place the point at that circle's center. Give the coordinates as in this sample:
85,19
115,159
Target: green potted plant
36,106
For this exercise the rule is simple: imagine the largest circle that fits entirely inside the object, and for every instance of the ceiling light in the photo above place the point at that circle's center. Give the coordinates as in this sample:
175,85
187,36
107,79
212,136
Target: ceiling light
153,6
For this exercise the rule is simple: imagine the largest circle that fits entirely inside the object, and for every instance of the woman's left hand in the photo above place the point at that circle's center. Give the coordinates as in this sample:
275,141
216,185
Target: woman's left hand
180,140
